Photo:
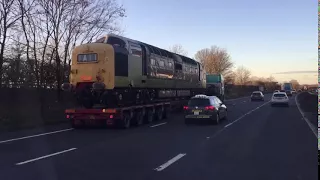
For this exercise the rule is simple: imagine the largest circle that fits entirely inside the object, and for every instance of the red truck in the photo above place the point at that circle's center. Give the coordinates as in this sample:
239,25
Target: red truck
122,117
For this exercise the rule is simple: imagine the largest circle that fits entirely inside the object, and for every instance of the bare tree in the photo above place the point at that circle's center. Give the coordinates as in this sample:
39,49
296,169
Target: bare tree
215,60
242,75
9,15
229,78
295,84
77,21
178,49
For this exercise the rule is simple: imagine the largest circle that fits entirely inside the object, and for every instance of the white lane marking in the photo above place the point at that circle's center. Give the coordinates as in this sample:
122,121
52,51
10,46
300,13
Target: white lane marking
43,134
43,157
228,125
168,163
158,124
246,114
311,126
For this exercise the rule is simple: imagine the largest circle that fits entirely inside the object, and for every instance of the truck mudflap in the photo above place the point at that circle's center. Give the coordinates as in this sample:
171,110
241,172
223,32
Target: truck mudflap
118,117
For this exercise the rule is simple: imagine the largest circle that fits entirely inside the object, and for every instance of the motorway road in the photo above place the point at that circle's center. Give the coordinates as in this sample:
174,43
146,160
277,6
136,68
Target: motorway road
257,142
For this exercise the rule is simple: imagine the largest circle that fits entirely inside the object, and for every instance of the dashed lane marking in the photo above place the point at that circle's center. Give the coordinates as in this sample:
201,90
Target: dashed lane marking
37,135
44,157
168,163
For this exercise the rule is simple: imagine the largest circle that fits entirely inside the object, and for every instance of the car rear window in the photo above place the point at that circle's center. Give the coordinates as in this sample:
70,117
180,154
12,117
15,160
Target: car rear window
199,102
256,93
279,95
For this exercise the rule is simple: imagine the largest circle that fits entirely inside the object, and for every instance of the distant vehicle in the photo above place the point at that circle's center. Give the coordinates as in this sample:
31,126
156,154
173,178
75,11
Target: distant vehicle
299,90
294,91
257,95
280,98
282,91
202,107
288,88
261,88
276,91
215,85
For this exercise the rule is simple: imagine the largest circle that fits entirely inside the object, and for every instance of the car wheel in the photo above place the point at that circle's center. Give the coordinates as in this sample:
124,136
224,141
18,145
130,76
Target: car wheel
225,117
217,119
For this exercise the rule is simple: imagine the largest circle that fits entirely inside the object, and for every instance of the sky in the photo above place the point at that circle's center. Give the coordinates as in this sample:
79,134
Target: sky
267,37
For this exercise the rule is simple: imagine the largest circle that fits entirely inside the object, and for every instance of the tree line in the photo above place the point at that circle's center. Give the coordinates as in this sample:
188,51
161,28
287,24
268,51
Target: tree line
217,60
37,37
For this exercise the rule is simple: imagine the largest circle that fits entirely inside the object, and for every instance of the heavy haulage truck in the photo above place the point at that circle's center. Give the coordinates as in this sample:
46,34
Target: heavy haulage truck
215,85
120,81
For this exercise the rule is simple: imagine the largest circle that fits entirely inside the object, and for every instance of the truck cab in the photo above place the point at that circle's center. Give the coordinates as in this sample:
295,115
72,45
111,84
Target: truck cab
287,87
215,85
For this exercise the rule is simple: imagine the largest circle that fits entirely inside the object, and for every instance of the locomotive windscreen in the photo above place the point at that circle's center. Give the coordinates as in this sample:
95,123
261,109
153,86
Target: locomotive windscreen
85,58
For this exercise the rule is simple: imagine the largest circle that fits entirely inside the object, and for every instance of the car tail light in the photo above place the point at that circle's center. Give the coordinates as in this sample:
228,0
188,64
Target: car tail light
209,107
185,107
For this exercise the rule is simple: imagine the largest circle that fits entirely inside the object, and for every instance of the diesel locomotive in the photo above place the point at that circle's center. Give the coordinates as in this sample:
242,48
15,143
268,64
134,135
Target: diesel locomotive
118,71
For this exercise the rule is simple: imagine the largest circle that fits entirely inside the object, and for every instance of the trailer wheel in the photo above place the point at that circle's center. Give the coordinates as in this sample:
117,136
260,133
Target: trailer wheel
139,118
166,113
159,113
126,121
149,116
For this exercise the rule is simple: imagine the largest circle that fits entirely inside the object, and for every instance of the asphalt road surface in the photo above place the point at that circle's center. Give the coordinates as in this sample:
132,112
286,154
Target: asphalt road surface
257,142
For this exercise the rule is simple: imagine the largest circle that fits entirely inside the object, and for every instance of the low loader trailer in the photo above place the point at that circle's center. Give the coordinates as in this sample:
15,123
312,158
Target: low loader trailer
122,117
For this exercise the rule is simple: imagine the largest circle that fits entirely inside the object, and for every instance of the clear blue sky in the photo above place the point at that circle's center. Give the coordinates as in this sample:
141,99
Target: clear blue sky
265,36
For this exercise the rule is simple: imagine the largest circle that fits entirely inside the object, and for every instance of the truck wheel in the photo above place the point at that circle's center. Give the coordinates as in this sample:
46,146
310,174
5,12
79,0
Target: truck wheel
126,120
149,116
139,118
159,113
166,113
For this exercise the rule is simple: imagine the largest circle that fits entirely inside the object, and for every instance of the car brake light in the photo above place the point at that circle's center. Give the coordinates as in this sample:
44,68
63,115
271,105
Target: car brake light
209,107
185,107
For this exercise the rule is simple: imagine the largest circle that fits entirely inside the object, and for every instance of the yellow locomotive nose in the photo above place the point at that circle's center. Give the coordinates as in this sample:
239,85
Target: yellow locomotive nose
92,64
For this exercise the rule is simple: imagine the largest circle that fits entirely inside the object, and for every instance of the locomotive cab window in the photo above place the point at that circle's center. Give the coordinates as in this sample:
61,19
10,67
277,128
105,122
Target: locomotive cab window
87,58
135,49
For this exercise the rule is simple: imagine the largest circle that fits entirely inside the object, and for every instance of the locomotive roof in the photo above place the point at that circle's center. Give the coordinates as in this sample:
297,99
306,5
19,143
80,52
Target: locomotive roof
184,58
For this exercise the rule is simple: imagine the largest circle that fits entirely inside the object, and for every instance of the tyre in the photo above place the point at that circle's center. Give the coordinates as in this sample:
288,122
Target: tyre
217,119
126,121
149,116
166,113
139,118
226,116
159,114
